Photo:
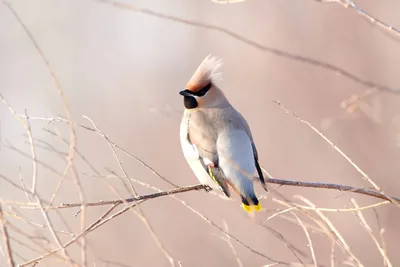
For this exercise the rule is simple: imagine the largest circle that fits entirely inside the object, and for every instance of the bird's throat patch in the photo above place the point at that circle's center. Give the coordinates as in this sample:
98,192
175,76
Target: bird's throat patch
190,102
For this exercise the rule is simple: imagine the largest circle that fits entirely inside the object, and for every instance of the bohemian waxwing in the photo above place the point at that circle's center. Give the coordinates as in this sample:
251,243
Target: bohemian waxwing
216,139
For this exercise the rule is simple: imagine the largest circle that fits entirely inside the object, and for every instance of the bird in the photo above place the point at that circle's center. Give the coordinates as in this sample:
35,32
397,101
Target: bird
216,139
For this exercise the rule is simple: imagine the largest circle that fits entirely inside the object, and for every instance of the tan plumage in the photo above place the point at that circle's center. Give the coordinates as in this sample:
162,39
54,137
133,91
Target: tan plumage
216,139
206,72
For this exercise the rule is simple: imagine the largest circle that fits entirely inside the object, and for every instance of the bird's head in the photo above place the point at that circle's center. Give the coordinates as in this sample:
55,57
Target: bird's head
201,90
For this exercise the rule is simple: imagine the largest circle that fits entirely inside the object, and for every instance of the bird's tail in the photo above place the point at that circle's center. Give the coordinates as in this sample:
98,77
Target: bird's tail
261,176
251,204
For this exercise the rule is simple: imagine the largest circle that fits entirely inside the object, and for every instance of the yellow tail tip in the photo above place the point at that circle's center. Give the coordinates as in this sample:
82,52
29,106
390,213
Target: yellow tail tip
258,207
247,208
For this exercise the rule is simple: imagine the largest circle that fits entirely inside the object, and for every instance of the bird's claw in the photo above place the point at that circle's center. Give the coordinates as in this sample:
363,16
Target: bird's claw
207,188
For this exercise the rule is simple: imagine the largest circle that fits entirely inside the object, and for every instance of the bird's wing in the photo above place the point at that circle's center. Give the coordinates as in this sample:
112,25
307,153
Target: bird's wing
246,127
236,156
201,152
258,167
236,159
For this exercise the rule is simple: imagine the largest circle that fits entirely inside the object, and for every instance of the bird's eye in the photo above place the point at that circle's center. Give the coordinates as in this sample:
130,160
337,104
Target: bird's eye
203,91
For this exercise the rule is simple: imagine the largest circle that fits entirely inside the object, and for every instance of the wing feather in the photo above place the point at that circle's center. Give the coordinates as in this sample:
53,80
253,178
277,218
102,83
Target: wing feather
199,163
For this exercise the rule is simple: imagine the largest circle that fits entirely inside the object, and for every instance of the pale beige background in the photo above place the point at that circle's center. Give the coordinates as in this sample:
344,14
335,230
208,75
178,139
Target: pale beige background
124,70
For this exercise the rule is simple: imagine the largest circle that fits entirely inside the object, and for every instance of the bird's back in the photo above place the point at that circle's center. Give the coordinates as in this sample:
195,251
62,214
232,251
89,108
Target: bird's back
205,125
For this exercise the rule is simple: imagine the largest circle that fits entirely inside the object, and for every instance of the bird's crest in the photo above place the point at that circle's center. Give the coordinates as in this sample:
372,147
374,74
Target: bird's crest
205,73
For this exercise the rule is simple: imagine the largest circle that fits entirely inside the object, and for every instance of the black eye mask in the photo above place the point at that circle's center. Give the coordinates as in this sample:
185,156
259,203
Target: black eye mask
201,92
189,99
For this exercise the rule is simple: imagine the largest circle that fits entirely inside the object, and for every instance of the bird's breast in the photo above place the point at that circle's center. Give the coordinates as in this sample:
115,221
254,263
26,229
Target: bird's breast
189,150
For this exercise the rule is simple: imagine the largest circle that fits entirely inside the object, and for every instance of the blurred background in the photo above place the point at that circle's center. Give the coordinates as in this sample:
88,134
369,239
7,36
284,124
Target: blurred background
123,68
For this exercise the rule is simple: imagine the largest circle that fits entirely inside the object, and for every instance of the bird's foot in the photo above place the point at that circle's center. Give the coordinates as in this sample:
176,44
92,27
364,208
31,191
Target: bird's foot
211,165
207,188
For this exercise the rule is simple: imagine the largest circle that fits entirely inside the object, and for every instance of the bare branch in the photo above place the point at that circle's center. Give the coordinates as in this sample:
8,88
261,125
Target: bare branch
23,185
19,216
140,213
327,209
272,50
45,206
293,249
26,126
209,221
333,230
371,234
308,238
332,258
127,200
373,19
344,155
100,221
72,134
6,239
228,240
339,187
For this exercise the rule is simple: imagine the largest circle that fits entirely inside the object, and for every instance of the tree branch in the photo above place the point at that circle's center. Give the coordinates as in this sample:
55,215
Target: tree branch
347,188
339,187
374,20
275,51
4,231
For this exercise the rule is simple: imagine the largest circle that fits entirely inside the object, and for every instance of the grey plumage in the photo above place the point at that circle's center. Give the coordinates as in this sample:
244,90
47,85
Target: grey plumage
216,139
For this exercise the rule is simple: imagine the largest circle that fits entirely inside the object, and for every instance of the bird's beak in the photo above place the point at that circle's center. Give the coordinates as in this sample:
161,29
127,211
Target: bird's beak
185,93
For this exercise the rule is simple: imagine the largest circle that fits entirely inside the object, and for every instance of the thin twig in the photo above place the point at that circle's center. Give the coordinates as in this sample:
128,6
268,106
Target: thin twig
100,221
344,155
38,161
31,141
333,230
60,119
338,187
128,200
276,214
210,222
332,258
204,218
274,51
140,214
351,103
26,126
325,226
292,248
72,142
34,239
77,151
310,245
19,216
382,238
114,145
373,19
23,184
371,234
381,235
228,240
6,239
295,205
368,192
